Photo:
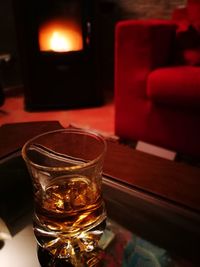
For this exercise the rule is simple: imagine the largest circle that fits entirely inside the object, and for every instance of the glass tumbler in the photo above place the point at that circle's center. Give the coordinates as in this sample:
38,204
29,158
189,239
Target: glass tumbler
66,170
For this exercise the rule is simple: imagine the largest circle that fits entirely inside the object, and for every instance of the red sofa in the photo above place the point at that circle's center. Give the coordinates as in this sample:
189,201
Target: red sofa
157,98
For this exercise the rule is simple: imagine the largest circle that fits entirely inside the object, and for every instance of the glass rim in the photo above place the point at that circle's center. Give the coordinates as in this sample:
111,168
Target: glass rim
63,168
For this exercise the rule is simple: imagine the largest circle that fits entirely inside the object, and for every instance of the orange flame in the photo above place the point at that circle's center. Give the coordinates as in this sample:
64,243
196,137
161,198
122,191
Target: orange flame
60,36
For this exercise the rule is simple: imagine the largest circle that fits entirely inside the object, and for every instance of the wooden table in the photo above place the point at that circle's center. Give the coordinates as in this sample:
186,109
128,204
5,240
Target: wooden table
153,197
176,182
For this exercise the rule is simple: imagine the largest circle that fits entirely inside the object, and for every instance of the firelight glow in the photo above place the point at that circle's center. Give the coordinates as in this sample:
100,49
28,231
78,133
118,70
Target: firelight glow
59,42
60,36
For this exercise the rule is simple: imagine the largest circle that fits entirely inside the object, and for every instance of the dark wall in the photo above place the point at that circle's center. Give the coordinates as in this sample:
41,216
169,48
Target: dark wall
148,8
10,73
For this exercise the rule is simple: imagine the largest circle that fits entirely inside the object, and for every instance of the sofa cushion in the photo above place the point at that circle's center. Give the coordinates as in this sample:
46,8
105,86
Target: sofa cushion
188,46
178,86
192,56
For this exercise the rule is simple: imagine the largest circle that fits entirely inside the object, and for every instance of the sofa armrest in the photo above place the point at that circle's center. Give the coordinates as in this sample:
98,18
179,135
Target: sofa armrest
141,46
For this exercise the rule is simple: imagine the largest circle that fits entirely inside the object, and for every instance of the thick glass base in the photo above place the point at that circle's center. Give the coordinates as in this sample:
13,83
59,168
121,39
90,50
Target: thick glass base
87,259
79,250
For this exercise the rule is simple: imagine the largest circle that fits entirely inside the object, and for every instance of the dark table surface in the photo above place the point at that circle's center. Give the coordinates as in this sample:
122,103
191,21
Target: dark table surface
137,220
154,199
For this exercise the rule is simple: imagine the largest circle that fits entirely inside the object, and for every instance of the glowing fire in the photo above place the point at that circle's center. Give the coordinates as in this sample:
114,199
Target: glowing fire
60,36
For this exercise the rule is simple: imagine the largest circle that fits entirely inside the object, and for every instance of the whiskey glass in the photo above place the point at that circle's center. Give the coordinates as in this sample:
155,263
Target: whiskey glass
69,212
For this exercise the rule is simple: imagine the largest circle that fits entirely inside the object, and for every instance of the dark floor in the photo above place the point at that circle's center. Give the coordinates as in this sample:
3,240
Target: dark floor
98,118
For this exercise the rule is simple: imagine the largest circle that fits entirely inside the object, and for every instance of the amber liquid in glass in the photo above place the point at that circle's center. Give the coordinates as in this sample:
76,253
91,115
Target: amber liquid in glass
69,216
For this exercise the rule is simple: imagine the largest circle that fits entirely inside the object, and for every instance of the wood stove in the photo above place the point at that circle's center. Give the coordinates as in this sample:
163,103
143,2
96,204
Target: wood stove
58,53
